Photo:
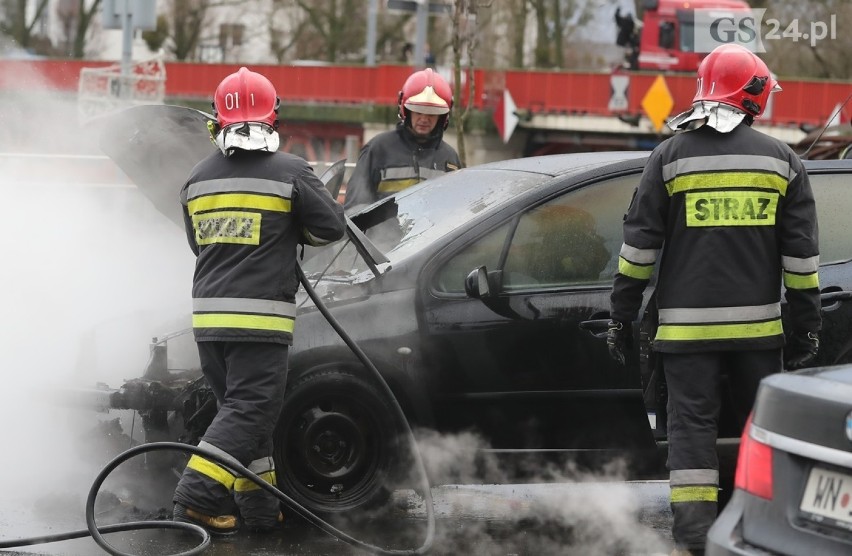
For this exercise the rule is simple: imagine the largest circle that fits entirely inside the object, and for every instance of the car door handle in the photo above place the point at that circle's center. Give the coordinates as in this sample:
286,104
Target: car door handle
831,300
595,327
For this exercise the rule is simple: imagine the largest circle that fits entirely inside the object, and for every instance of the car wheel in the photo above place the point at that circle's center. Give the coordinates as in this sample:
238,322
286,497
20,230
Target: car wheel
334,448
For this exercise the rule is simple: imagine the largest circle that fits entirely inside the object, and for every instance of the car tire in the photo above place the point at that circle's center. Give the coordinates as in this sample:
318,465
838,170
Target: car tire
337,443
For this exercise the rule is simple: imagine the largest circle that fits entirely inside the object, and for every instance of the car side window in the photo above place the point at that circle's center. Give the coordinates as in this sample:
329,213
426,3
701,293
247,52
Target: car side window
484,251
834,204
571,240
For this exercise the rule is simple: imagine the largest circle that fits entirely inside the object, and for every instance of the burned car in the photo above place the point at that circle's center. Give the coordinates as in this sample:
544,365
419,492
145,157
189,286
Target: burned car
482,297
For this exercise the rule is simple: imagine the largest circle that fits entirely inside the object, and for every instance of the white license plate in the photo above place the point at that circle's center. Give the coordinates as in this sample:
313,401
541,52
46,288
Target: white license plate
828,497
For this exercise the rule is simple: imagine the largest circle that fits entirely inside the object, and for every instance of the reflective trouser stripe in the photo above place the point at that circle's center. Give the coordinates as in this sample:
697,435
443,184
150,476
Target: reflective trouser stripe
694,494
262,467
719,331
244,485
212,470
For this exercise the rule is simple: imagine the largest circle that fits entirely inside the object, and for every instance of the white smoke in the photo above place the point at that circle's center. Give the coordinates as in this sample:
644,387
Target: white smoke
91,271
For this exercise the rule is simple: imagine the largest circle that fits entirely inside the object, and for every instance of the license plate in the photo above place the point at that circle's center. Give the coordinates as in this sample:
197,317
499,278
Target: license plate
828,498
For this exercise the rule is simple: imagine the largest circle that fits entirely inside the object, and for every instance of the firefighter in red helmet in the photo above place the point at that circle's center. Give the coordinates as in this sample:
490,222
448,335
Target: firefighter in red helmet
247,207
414,151
723,215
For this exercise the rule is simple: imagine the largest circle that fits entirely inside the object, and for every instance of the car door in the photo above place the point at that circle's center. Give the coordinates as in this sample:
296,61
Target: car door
834,205
521,370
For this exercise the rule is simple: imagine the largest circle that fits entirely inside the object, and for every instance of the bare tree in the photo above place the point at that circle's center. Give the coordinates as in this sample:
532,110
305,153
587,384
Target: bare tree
76,20
330,30
15,24
286,24
464,41
183,24
519,10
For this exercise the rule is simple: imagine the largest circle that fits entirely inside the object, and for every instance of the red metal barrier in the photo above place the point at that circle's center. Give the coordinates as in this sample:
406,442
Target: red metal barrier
801,103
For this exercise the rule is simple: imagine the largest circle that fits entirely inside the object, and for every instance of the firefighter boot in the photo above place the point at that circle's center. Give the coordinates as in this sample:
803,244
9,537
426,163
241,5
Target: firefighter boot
220,525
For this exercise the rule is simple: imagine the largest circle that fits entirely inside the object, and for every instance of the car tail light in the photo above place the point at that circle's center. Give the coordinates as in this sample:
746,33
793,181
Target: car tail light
754,465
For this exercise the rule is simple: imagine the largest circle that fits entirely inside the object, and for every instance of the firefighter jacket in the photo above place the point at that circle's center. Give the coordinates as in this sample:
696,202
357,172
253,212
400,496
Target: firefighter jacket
245,216
728,214
396,159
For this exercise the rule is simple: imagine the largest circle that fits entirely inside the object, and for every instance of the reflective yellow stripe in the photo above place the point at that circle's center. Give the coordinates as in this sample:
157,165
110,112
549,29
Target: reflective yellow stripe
238,201
801,281
695,494
394,186
716,180
640,272
719,331
211,470
731,208
227,227
255,322
244,485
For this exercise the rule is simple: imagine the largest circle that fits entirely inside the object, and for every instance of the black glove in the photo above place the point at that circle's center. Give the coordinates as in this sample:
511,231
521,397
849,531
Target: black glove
619,338
800,350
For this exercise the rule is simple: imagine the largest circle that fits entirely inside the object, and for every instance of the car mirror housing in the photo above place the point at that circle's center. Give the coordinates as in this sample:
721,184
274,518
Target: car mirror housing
476,284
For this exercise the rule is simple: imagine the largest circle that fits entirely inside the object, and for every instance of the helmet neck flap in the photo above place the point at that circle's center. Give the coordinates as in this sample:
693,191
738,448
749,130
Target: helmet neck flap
248,136
721,117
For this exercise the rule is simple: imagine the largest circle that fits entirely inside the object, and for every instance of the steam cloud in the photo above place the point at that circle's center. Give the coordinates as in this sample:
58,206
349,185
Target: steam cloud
91,271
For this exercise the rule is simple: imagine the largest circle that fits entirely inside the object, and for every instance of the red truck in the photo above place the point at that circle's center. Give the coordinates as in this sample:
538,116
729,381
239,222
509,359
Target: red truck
665,37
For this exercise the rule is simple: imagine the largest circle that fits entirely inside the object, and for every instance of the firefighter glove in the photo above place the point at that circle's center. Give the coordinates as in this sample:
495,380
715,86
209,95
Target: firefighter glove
800,350
618,340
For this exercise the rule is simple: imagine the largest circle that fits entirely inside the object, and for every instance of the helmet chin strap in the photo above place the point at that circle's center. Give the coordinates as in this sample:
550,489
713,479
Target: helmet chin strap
250,136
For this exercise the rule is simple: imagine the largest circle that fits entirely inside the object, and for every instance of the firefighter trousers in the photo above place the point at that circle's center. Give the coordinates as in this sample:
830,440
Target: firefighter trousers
694,382
248,380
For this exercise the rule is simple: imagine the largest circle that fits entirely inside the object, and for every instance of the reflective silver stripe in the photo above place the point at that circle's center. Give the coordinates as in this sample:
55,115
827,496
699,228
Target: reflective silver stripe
801,448
219,452
638,256
801,266
693,477
721,314
240,185
399,173
239,305
261,465
427,173
715,163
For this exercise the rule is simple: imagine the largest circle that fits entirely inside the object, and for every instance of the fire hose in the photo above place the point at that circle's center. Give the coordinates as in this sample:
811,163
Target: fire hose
97,532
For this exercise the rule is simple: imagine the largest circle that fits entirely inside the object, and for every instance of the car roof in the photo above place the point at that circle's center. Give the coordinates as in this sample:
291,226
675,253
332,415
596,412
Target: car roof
561,164
828,164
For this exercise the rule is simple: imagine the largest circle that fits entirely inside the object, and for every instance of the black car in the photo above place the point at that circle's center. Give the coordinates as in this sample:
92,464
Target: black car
481,296
794,476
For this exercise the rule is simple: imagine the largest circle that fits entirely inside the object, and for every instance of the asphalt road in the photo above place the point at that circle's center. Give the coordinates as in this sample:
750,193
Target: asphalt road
588,519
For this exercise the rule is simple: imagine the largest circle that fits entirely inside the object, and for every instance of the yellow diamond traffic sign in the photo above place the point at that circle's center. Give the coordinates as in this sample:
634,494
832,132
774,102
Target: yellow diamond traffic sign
658,102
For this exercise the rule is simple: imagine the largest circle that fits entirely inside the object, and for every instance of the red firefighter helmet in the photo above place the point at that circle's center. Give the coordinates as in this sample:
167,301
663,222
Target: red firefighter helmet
245,96
733,75
425,92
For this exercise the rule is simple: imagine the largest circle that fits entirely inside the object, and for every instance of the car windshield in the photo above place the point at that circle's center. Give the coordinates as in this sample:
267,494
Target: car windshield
425,213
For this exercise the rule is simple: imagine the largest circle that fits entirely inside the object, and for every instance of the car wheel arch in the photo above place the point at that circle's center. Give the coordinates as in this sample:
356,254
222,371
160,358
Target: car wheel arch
403,385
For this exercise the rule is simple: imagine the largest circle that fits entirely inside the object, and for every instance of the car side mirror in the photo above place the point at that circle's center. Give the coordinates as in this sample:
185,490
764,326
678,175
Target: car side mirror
483,284
476,283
